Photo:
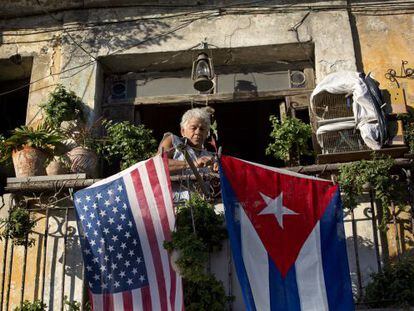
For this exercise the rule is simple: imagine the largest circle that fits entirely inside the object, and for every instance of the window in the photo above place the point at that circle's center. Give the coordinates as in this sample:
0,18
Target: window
244,96
14,82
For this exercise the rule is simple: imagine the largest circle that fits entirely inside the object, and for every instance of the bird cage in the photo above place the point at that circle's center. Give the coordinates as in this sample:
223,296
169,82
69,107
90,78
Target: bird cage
339,135
345,140
328,106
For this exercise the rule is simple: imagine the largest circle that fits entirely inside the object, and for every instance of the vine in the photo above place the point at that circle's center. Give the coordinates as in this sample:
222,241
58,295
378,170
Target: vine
199,231
376,175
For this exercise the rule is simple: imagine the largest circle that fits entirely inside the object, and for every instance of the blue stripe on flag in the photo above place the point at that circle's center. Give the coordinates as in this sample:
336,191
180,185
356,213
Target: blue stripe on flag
334,257
283,292
233,227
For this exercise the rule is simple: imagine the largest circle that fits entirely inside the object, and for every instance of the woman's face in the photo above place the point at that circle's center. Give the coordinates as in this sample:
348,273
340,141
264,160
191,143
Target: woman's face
196,131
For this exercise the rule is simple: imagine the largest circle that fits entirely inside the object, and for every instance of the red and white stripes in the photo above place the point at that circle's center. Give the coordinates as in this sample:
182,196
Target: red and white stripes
150,198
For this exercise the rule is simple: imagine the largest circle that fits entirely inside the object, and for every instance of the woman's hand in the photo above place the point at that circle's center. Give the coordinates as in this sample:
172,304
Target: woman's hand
204,161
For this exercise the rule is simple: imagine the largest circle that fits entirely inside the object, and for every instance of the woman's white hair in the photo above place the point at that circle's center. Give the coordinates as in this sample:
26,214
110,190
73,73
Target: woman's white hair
203,114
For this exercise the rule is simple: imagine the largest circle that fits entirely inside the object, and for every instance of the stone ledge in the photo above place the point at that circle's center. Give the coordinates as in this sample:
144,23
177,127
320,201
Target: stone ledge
45,178
48,183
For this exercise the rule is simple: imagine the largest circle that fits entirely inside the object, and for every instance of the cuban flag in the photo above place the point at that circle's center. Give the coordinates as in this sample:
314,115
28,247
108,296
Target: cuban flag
287,238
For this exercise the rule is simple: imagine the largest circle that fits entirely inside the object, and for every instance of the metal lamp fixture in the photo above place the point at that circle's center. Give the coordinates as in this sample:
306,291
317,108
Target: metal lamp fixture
203,73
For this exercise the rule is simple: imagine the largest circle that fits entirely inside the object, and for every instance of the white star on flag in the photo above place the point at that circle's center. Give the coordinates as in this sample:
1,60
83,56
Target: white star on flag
275,207
118,245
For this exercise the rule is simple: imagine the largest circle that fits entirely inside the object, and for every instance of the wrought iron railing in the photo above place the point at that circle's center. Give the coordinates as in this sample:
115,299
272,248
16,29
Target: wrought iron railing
33,272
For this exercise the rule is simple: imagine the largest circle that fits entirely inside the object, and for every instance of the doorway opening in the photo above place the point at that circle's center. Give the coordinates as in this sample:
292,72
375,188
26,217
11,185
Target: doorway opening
243,127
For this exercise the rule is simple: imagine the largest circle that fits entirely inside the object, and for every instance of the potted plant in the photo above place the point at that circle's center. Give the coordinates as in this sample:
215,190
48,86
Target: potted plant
62,105
59,164
64,111
84,141
127,143
30,148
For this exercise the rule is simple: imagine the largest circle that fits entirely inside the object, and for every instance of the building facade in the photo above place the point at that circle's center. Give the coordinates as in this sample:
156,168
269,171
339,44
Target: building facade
132,61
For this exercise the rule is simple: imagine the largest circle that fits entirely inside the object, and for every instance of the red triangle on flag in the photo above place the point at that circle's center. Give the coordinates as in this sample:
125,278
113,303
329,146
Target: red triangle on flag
282,207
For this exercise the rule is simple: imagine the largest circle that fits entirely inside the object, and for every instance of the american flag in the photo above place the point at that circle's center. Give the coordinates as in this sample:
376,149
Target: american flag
124,220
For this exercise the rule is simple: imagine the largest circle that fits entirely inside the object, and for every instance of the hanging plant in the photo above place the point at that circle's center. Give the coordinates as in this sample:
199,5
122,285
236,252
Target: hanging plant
199,232
289,139
206,294
18,226
375,174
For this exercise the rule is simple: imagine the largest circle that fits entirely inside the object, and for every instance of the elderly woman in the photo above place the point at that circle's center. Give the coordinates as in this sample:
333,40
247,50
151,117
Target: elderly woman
195,127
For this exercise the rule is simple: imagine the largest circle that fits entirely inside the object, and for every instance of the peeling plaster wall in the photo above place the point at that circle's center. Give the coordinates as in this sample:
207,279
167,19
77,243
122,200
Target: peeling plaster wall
334,48
57,59
385,41
54,50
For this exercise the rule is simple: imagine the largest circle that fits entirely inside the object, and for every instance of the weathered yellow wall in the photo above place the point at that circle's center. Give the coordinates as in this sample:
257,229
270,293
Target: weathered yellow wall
385,41
54,263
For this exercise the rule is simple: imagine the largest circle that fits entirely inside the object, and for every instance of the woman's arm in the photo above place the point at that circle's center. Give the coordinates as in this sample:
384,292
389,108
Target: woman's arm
173,165
176,166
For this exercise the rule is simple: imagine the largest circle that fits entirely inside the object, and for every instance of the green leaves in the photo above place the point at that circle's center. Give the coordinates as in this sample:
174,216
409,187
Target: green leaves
128,143
18,226
193,254
199,231
62,105
376,174
36,305
394,286
206,294
5,150
42,137
290,138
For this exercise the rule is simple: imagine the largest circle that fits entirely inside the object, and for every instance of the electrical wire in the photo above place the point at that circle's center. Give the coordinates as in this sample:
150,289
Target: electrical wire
45,77
181,26
365,4
359,8
295,29
205,8
114,53
280,9
67,33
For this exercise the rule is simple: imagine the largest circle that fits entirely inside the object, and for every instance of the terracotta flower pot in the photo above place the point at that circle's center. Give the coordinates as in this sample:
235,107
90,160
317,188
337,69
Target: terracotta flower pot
83,161
29,161
56,167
